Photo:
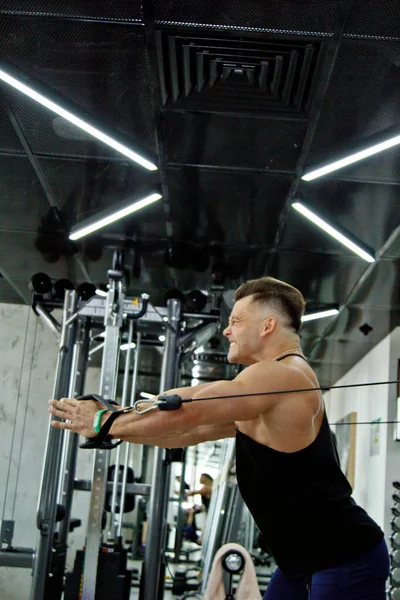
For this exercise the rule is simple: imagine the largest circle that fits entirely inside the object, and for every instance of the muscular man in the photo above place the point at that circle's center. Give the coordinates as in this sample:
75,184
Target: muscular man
287,466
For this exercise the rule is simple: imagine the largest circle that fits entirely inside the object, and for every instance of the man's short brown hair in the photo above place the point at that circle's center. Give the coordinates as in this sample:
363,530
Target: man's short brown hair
277,294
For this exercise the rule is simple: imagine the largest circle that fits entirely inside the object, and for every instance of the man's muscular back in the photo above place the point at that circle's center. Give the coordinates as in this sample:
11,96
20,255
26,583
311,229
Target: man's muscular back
294,420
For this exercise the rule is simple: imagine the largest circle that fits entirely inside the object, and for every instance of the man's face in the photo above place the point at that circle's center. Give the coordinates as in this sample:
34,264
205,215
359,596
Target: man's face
244,332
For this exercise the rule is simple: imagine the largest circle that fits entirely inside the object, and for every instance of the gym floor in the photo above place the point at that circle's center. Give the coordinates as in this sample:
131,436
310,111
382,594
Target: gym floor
135,564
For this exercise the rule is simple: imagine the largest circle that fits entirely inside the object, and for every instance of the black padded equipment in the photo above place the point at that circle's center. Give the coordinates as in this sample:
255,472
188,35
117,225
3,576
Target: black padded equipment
130,499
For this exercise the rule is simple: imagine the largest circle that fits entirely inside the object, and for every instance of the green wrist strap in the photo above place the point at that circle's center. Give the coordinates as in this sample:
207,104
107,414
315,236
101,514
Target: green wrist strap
97,419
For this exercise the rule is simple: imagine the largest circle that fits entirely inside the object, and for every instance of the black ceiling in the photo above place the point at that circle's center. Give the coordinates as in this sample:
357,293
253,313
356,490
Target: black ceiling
234,100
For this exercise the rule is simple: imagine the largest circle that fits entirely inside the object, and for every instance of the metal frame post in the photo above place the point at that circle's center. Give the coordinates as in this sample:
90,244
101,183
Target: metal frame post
180,518
52,461
71,440
152,580
127,448
233,516
108,378
214,525
125,388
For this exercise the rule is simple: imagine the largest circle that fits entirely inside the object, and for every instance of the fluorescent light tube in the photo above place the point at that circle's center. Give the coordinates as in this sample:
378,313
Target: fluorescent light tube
320,315
146,395
101,293
28,91
352,158
119,214
333,232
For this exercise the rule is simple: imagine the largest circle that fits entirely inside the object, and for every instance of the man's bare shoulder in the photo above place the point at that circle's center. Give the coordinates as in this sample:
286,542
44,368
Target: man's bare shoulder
275,375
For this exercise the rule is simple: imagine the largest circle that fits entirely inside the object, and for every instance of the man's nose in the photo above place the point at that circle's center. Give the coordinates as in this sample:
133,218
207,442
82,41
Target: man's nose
226,331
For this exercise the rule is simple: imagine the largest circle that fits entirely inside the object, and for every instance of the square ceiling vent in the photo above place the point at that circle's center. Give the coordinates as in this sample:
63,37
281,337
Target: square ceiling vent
227,74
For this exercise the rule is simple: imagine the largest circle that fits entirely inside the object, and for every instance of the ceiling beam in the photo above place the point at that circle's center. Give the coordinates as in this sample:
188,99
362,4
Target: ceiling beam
150,41
229,169
328,63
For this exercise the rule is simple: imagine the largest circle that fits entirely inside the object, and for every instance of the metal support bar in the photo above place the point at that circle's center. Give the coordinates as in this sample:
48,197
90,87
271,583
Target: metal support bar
235,516
152,580
125,389
108,380
140,489
72,439
51,469
48,318
23,558
180,519
214,520
126,457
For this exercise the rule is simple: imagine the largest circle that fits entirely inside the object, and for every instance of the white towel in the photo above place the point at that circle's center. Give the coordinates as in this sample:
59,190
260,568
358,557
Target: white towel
248,586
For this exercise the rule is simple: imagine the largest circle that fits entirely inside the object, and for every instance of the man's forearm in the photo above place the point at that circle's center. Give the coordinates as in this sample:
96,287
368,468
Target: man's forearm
199,434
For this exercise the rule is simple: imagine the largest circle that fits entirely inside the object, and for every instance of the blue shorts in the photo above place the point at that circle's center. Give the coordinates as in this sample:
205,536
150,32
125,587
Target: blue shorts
361,578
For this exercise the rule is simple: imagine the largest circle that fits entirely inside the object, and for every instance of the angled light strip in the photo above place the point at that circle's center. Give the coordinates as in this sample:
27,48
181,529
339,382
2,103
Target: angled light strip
146,395
352,158
119,214
320,315
28,91
333,232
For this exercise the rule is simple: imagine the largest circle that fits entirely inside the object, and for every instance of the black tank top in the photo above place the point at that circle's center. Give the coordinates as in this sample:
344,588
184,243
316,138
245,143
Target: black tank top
302,504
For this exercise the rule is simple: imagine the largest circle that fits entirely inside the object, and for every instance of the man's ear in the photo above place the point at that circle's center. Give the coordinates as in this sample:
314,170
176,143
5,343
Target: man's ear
270,325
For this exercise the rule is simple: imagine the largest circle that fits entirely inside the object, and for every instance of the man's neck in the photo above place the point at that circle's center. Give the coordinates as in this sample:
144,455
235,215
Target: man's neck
291,343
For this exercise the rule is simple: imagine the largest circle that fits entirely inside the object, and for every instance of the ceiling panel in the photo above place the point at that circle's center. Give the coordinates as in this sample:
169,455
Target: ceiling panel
322,278
313,16
367,212
8,138
102,71
374,19
393,251
22,200
230,208
348,323
210,139
123,10
382,288
362,99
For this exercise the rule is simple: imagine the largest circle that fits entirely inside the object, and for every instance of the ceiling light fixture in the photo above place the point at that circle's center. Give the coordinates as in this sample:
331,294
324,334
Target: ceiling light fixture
146,395
100,222
333,232
352,158
320,315
162,338
56,108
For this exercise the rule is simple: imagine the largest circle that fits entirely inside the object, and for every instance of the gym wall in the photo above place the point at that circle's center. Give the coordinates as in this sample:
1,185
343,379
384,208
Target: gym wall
377,455
28,355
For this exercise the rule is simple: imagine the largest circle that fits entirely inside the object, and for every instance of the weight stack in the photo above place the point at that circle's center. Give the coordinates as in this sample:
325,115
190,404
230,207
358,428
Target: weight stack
113,578
394,590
